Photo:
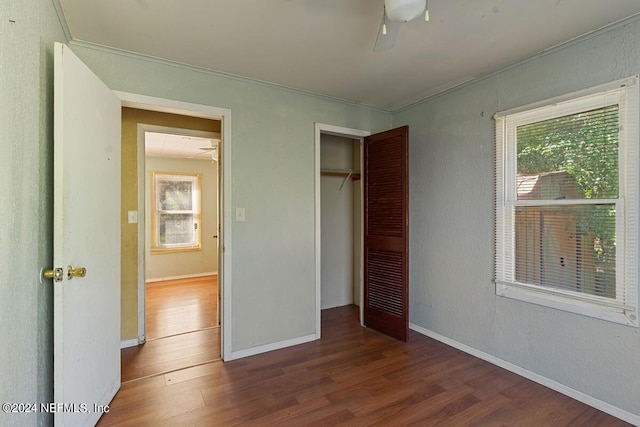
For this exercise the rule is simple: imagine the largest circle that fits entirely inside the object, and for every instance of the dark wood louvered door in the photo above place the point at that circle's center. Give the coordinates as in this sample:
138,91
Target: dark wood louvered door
386,228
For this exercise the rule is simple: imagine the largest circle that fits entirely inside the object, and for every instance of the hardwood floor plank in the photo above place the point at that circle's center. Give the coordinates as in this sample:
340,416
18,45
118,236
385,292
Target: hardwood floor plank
177,306
169,354
493,381
288,416
176,377
352,377
428,409
181,329
472,414
393,404
334,418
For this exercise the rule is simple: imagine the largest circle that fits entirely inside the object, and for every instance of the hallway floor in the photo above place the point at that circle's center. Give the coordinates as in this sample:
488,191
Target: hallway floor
182,328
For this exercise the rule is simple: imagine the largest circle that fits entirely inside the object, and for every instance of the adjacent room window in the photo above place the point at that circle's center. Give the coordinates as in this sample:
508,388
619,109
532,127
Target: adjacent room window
566,203
175,212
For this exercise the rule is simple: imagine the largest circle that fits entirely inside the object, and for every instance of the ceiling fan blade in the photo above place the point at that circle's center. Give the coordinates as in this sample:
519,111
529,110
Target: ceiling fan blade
208,148
203,155
388,40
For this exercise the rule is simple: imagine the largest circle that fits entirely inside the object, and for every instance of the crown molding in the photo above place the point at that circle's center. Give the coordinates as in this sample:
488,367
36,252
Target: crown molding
218,74
62,20
553,49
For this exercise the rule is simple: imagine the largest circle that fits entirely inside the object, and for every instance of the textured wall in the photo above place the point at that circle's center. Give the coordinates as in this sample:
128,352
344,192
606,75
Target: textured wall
273,252
272,139
28,29
452,226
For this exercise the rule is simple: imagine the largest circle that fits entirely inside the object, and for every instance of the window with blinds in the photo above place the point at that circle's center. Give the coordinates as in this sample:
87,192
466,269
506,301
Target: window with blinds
566,203
175,212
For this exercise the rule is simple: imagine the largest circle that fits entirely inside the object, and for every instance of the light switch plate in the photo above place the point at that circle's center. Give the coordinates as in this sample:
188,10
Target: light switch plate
132,217
240,215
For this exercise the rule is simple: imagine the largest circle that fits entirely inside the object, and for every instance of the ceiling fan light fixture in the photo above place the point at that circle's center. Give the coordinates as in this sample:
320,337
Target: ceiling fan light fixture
426,11
404,10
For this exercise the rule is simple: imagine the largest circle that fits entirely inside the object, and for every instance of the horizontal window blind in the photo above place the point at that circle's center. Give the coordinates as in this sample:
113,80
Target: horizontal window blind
570,157
567,247
566,204
176,211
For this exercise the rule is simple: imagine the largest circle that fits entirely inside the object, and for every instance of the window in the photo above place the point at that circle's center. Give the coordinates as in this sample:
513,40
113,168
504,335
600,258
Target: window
175,212
566,203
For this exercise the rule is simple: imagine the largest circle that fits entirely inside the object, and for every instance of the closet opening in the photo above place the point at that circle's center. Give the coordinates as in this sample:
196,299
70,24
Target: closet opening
341,221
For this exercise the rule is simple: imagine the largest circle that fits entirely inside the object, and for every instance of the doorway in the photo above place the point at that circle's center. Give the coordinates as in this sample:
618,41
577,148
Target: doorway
181,231
182,327
338,153
177,262
341,212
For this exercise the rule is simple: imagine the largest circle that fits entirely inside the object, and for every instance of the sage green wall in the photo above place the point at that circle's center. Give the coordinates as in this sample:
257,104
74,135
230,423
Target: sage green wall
452,207
28,29
452,226
273,252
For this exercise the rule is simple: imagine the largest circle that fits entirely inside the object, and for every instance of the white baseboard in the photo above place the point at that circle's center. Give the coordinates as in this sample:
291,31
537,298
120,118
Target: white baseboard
270,347
184,276
554,385
129,343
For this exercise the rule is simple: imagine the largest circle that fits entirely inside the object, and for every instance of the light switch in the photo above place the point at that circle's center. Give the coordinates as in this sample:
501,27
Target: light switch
240,217
133,217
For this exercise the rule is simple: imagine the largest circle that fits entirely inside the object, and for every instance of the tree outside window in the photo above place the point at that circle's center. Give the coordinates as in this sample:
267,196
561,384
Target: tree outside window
175,212
569,158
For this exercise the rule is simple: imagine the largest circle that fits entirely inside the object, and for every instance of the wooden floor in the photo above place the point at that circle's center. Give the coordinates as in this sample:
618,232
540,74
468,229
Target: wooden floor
352,376
181,328
179,306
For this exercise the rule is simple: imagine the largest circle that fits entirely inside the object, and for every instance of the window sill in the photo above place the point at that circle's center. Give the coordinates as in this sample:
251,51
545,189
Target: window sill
559,301
158,251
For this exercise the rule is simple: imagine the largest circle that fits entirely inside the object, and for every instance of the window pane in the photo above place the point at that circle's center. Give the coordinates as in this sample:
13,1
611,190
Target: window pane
571,157
177,229
567,247
175,195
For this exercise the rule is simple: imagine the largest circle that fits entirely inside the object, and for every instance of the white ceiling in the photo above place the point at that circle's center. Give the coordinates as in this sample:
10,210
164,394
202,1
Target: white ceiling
326,46
183,146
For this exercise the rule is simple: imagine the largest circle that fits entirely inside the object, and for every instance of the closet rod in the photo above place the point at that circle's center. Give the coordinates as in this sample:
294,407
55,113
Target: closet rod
344,173
339,170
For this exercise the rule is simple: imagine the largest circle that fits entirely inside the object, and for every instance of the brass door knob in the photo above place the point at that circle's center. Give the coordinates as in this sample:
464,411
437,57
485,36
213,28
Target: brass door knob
52,273
75,272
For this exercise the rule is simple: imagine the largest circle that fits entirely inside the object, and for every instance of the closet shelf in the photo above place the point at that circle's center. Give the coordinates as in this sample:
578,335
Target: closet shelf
343,173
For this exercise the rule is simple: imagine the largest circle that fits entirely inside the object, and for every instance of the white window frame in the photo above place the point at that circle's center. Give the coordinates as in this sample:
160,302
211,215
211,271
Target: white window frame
623,309
195,179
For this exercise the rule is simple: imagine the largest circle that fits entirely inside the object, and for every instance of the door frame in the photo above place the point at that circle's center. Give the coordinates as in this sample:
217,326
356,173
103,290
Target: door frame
163,105
358,135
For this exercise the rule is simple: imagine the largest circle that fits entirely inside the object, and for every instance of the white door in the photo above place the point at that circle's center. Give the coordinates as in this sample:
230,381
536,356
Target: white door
86,235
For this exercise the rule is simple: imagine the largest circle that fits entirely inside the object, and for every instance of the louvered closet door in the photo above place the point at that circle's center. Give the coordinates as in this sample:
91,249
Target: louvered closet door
386,227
